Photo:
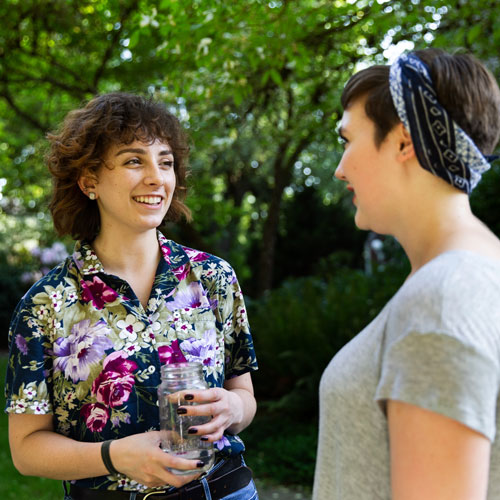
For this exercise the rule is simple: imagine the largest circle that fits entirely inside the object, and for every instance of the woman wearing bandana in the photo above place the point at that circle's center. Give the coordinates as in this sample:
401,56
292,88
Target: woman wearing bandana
408,408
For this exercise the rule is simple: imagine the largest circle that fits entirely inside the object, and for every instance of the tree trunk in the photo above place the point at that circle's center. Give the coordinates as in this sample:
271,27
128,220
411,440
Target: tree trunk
283,169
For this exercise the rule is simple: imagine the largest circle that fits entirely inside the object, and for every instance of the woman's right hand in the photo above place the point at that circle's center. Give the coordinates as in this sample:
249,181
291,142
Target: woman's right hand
140,458
39,451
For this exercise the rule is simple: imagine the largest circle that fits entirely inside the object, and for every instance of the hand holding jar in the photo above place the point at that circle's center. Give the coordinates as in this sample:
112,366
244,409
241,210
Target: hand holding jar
176,425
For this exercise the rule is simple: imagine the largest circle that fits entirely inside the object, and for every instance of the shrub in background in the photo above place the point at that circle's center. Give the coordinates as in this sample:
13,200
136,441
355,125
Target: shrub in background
18,271
298,327
11,290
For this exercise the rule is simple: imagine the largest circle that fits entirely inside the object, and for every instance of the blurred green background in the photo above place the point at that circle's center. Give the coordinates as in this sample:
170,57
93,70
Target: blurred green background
257,84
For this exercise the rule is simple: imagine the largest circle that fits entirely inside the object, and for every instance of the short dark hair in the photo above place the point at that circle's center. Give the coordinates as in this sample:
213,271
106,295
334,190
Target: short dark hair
464,87
81,143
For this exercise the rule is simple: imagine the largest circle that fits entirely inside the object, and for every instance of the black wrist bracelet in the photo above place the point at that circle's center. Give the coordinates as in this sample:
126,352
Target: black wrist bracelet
106,458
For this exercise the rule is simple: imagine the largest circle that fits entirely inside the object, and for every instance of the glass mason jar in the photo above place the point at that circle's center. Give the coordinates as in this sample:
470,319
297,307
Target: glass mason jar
178,379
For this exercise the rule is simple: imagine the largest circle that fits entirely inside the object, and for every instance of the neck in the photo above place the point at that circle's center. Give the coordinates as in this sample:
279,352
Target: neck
435,225
121,257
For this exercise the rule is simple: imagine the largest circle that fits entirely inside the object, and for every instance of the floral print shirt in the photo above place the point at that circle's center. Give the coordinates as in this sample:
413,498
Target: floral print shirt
84,349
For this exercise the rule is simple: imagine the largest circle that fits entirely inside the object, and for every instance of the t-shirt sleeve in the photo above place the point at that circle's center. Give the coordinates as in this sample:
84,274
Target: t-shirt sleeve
441,346
443,374
240,355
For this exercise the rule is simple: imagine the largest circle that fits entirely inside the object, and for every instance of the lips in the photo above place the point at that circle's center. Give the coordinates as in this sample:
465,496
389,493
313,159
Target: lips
351,189
148,200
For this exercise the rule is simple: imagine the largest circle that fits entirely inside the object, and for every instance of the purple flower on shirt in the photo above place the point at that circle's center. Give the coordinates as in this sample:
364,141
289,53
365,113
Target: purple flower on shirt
97,292
85,346
234,279
171,353
192,296
116,421
222,442
201,350
21,344
78,260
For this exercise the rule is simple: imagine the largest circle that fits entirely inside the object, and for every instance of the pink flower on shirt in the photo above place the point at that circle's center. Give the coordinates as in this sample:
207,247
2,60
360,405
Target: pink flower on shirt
97,292
95,415
195,255
116,381
171,353
181,272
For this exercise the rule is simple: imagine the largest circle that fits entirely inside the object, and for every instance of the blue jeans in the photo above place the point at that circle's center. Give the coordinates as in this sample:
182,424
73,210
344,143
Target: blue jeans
248,492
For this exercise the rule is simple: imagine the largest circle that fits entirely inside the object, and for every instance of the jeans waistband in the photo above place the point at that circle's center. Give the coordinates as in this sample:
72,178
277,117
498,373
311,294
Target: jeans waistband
227,477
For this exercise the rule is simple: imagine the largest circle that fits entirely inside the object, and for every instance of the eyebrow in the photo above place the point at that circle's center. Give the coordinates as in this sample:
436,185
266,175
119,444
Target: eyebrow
140,151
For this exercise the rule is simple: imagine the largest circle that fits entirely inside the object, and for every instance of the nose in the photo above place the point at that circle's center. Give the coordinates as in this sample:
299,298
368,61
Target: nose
339,172
153,175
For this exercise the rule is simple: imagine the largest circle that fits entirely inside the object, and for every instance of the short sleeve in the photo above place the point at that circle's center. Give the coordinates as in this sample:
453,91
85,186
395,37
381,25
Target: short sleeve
442,374
26,385
240,355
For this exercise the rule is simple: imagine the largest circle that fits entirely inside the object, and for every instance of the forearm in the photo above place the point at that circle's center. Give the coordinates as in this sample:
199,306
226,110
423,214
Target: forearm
245,406
42,452
47,454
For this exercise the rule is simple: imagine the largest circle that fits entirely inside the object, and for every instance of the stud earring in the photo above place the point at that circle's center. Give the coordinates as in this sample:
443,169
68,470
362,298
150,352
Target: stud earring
92,195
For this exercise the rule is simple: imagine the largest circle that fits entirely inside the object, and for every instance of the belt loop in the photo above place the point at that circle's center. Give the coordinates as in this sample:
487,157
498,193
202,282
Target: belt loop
65,485
206,488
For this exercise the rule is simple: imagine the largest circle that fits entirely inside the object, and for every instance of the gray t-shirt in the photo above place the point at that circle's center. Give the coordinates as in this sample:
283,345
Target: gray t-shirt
436,344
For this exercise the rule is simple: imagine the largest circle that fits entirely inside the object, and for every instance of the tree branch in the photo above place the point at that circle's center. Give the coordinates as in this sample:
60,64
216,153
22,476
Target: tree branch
314,38
114,39
46,78
26,116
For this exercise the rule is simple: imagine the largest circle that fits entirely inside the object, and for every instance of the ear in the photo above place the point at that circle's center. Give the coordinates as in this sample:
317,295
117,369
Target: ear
406,150
88,183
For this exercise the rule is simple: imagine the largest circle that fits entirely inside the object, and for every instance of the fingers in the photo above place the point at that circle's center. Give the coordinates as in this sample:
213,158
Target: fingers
204,396
217,403
140,458
179,464
205,403
211,431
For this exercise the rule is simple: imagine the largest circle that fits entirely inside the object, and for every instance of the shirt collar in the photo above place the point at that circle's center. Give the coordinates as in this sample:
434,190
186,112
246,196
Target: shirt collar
174,255
86,259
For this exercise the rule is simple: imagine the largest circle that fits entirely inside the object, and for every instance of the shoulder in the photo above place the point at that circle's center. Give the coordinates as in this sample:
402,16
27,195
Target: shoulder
213,271
456,294
44,298
458,276
202,262
197,257
56,277
211,268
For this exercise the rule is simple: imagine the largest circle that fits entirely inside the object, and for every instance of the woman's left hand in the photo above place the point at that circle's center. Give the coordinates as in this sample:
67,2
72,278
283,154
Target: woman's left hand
231,408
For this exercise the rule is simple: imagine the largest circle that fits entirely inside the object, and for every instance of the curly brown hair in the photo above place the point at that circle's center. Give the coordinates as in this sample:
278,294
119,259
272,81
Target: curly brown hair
81,143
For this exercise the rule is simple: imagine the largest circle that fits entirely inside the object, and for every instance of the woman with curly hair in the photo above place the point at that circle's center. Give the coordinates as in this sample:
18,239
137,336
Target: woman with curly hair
89,339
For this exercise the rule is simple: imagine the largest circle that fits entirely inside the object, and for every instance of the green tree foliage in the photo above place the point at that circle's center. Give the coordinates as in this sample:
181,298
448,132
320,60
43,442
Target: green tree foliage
256,83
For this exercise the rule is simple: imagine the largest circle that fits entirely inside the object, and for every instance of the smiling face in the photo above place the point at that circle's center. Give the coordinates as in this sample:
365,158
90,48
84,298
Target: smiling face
372,173
134,187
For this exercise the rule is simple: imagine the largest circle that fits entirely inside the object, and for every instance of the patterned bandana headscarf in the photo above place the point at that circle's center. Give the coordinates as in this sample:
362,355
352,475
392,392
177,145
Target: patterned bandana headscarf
442,147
